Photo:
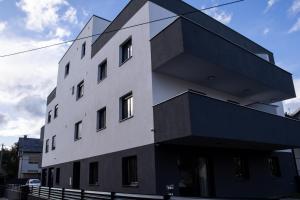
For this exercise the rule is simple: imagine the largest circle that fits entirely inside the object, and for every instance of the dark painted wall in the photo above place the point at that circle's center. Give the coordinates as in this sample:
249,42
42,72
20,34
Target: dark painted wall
110,172
225,184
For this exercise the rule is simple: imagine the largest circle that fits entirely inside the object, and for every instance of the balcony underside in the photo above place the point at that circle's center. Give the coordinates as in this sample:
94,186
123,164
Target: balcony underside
194,119
190,52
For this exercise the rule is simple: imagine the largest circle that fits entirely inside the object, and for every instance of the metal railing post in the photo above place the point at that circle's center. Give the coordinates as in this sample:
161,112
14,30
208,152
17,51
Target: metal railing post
39,192
112,195
63,194
82,194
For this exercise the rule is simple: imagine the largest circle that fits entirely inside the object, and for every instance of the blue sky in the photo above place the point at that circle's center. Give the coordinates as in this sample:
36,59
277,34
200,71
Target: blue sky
27,79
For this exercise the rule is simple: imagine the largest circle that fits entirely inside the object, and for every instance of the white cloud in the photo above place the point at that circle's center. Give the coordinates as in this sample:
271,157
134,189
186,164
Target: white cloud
293,104
27,80
71,15
270,3
2,26
61,33
295,8
43,14
266,31
219,15
295,27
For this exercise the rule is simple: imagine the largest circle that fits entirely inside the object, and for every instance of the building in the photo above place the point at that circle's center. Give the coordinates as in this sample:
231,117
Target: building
184,101
30,157
296,152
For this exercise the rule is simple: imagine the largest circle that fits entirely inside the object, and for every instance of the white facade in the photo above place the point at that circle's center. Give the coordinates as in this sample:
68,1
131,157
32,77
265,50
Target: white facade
135,75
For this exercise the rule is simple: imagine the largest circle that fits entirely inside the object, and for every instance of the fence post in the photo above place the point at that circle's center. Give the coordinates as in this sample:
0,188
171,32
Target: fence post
49,193
82,194
63,194
112,195
167,197
39,192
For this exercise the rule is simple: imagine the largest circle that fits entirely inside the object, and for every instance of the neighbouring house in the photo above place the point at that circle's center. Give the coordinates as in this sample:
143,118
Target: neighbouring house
184,101
30,157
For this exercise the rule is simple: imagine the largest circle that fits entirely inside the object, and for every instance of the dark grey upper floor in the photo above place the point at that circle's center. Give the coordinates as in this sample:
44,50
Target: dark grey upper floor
202,56
195,119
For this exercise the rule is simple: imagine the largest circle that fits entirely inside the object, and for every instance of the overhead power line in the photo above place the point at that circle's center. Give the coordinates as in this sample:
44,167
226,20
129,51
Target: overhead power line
127,27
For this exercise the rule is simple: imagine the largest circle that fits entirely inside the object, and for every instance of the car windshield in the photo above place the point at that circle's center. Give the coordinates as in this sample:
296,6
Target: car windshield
35,181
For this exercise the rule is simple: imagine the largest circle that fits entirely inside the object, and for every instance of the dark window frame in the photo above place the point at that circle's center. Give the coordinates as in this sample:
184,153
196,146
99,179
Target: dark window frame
102,71
99,117
47,146
274,166
67,69
241,167
53,143
94,173
127,45
83,50
57,176
80,90
130,171
56,111
49,116
123,104
77,132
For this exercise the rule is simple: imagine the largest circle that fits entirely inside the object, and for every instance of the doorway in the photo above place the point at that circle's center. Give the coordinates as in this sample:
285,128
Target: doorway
195,176
50,177
76,175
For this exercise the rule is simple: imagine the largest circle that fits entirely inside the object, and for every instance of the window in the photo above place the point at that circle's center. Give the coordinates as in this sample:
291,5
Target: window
67,69
53,146
34,159
47,146
126,105
101,119
241,169
80,90
93,173
49,116
126,50
57,176
73,90
56,111
129,168
274,166
83,49
102,71
78,130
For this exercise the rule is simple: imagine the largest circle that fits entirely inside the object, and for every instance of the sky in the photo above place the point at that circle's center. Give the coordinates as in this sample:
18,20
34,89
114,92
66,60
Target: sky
27,79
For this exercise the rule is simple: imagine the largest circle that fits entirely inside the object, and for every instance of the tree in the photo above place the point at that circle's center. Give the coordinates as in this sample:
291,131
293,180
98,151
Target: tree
10,161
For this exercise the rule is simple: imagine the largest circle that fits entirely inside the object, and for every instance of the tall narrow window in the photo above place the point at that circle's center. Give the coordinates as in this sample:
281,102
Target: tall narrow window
93,173
53,146
126,106
80,90
102,71
274,166
56,111
78,130
101,119
126,50
67,69
49,116
57,176
83,49
129,169
241,168
47,146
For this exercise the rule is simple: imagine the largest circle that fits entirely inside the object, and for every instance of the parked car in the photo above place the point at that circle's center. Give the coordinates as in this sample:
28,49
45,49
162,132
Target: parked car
33,183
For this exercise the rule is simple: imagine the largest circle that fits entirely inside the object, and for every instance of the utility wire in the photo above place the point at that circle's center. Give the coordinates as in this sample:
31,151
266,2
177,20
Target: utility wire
116,30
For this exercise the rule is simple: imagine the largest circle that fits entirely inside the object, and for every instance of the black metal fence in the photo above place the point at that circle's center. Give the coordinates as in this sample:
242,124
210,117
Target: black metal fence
70,194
